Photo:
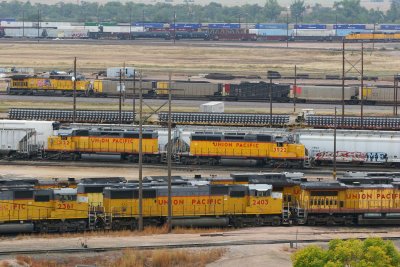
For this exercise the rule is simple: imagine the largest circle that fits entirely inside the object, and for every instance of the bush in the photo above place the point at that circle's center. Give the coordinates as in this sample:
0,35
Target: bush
355,253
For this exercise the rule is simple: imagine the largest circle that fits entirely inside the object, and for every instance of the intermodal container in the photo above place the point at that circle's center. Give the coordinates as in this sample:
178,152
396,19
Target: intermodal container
310,26
147,25
224,26
271,32
188,26
344,32
349,26
390,27
271,26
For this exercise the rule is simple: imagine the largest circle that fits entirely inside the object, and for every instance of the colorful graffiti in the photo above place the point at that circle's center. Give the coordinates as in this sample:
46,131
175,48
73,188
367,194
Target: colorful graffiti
347,156
43,82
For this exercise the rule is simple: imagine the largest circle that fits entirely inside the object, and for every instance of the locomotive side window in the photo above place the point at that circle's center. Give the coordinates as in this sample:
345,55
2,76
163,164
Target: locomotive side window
42,198
121,194
149,194
219,190
236,194
23,194
65,197
264,193
264,138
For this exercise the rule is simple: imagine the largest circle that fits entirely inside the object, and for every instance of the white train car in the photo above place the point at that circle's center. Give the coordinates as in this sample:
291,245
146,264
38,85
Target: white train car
25,136
377,147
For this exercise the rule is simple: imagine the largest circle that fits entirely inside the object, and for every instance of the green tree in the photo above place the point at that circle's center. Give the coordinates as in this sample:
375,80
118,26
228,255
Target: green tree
351,11
272,10
352,253
297,9
393,14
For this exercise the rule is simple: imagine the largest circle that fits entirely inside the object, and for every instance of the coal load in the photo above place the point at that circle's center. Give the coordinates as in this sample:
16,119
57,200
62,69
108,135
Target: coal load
261,90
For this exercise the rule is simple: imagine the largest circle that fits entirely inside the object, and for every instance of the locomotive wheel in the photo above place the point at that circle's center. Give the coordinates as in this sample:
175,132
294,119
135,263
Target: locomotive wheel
184,161
43,228
276,221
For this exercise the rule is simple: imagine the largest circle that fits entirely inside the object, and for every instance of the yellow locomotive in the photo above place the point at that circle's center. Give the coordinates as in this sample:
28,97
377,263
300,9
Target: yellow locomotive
265,148
351,201
373,37
196,205
246,199
124,143
53,84
41,210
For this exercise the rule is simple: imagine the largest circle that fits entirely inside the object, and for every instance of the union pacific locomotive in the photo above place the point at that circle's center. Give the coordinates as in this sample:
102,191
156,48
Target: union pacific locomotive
205,148
53,84
241,200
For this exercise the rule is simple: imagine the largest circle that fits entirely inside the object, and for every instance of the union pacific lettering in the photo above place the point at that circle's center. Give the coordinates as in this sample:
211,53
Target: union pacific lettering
113,140
235,144
204,201
371,196
12,207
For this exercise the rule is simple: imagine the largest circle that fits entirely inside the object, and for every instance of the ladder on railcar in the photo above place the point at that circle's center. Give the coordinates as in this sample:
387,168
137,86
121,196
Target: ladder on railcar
286,213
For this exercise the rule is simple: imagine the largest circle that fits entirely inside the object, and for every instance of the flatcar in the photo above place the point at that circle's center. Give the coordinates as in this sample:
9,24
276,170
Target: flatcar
53,84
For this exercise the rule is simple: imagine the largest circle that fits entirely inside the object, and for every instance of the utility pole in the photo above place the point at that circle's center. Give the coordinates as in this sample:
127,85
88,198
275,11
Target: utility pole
38,24
143,19
120,97
74,94
169,159
362,85
395,93
133,95
295,89
130,23
270,102
287,29
140,155
336,25
343,78
174,26
23,22
334,147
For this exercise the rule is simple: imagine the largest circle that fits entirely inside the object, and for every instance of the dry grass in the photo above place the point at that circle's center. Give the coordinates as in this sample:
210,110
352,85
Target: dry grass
132,258
153,57
151,230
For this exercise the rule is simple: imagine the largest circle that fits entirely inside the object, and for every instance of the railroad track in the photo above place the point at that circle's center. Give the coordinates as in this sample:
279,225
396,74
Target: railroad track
324,170
210,98
173,246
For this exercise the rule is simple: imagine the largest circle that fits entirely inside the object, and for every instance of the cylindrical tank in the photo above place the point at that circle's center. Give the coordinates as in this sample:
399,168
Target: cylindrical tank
200,221
16,228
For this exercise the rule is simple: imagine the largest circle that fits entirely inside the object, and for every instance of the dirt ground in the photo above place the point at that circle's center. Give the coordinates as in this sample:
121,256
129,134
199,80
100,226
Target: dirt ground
244,255
195,57
129,172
